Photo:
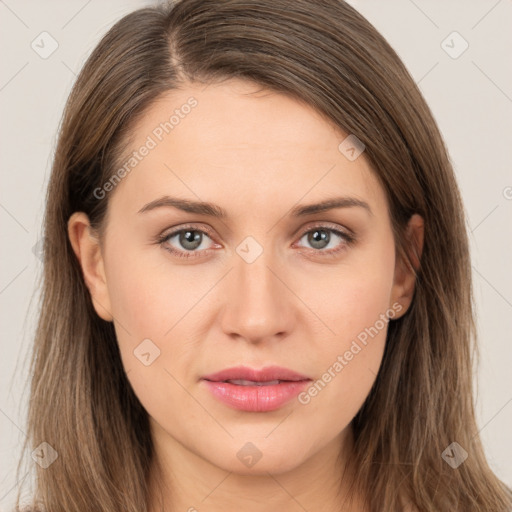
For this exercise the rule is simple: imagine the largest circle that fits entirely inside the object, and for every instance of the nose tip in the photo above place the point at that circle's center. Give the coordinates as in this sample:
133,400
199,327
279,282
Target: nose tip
256,304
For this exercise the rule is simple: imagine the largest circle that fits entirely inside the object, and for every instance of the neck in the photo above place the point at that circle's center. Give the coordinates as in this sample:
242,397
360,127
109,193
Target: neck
183,481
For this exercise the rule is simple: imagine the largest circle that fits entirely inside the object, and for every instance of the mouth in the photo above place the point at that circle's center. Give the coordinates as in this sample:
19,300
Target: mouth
240,382
250,390
244,375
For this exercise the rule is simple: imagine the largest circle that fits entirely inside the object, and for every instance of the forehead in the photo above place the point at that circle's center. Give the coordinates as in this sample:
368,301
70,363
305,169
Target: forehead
238,143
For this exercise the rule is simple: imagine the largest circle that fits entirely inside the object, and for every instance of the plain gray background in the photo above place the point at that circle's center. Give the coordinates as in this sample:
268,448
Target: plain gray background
469,92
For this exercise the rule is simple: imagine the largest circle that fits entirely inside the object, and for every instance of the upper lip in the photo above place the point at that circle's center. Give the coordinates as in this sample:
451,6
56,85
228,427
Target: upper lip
263,375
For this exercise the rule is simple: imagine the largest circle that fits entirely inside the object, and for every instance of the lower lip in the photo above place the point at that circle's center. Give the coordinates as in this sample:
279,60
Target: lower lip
256,398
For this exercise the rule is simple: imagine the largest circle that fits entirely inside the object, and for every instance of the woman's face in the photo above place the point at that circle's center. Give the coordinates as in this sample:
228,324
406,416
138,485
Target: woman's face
266,284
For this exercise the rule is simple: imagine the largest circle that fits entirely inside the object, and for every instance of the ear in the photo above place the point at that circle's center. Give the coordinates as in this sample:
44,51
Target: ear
87,249
404,278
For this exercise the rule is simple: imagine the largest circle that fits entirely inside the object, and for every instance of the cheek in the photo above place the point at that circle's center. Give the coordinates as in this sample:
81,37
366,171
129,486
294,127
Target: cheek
153,298
150,300
358,311
352,296
141,298
347,368
148,293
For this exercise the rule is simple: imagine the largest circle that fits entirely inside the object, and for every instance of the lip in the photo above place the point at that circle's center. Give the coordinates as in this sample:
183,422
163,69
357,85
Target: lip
265,374
257,398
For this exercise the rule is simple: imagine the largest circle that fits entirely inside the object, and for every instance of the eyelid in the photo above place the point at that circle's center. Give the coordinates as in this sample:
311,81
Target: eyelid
183,227
327,225
164,237
346,234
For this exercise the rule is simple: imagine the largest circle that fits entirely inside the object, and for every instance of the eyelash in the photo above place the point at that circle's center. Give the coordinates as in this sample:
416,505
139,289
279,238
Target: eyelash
161,240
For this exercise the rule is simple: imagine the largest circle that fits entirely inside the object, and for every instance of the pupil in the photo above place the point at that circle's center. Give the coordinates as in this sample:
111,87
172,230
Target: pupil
189,239
319,239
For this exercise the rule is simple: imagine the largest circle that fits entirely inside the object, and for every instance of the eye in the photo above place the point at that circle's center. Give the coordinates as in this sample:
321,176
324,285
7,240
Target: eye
187,242
325,239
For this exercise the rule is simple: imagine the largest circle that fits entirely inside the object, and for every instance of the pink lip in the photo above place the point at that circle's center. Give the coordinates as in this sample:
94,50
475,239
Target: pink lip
265,374
256,398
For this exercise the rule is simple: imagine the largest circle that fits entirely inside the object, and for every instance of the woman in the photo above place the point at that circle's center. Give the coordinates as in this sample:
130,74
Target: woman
257,286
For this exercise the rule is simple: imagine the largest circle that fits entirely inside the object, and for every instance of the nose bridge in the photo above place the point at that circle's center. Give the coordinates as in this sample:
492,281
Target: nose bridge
257,305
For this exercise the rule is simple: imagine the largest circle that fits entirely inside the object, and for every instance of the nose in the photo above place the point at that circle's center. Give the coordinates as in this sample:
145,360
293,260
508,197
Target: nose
258,306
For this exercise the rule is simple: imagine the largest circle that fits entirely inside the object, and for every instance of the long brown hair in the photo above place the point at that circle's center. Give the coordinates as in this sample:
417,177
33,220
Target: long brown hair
323,53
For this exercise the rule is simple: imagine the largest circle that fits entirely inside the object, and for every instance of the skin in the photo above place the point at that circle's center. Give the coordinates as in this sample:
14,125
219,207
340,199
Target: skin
294,306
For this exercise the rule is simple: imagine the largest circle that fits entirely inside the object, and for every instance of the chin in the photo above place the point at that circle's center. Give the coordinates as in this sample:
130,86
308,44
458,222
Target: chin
254,461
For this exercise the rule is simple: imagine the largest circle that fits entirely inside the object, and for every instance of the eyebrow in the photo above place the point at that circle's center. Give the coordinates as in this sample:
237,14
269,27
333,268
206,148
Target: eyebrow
213,210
